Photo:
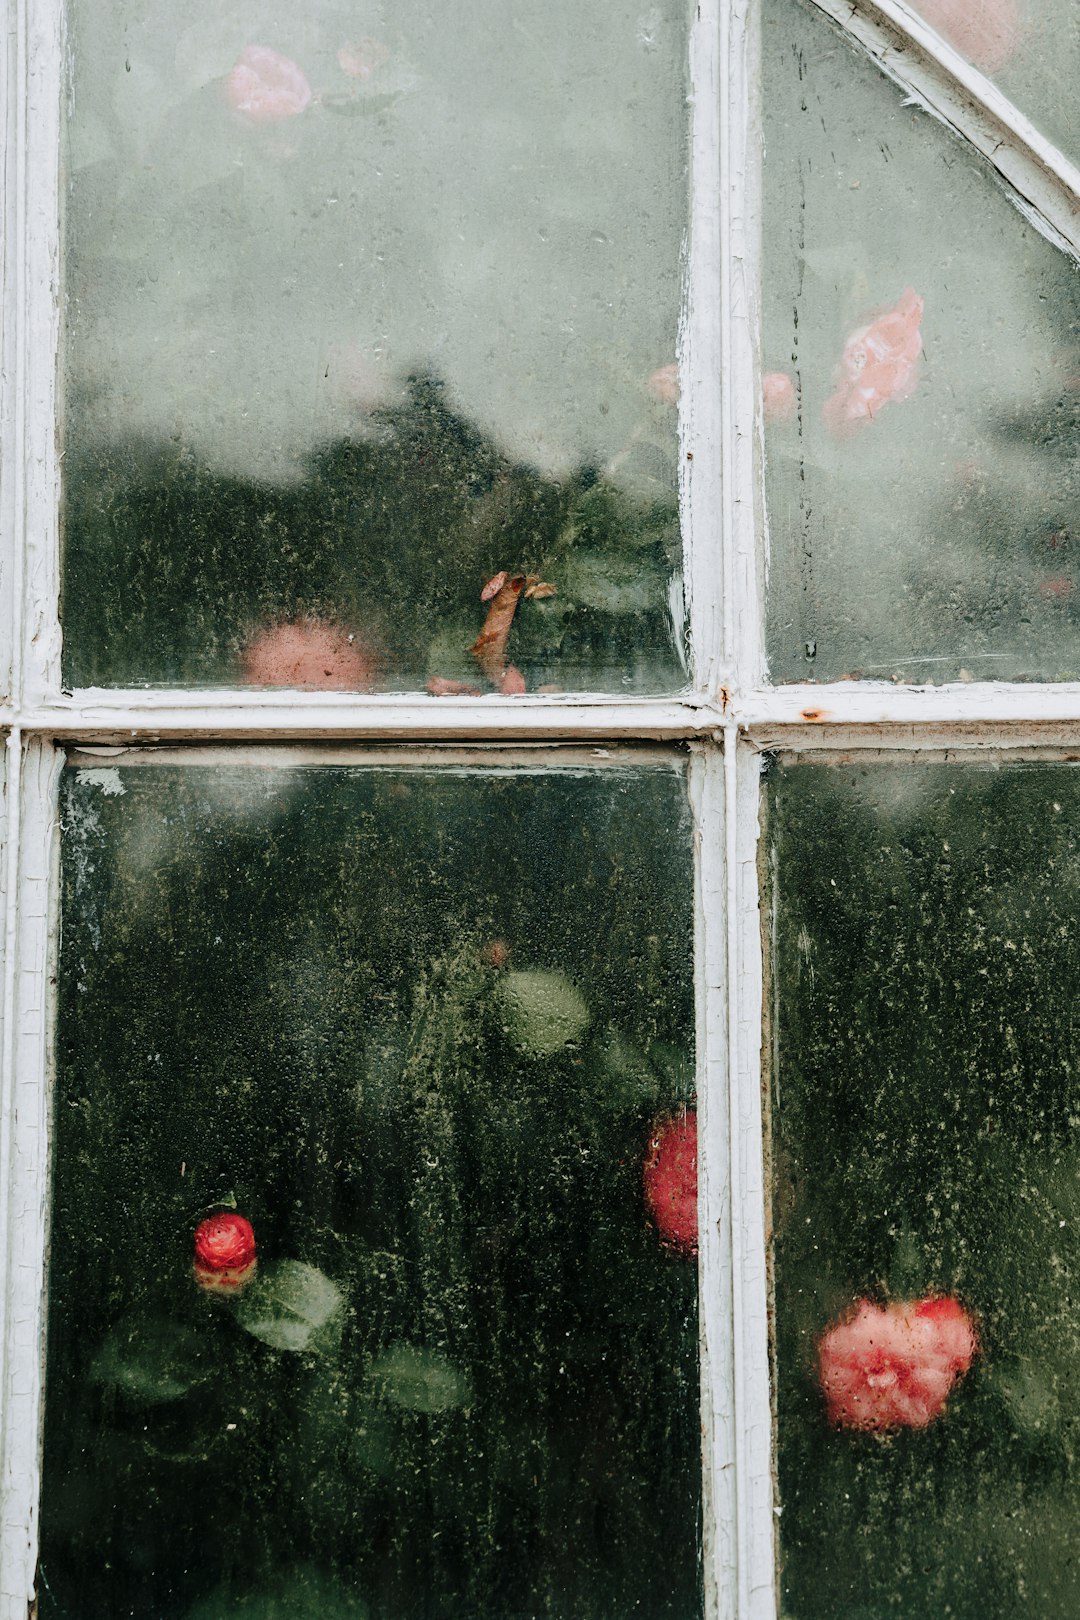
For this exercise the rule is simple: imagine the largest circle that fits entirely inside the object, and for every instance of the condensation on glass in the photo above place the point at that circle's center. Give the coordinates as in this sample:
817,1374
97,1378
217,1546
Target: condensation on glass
371,1290
926,1187
363,310
1030,48
922,390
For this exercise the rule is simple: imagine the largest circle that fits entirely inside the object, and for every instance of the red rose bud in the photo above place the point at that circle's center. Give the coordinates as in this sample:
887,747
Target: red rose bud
671,1181
224,1253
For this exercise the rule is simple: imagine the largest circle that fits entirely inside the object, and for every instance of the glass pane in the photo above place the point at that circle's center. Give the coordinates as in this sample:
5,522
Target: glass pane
924,349
361,312
926,1153
371,1288
1030,47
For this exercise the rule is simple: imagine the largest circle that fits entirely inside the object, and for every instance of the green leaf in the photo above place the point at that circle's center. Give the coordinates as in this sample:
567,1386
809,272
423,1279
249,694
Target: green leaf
151,1362
304,1594
541,1012
420,1380
292,1306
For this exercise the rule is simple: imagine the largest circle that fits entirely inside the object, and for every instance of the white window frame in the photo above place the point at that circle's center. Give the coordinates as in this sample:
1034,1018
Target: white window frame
728,717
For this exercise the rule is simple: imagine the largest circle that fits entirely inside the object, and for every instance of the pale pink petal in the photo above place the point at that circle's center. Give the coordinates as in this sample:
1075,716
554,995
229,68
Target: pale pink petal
778,394
311,653
879,364
663,384
512,683
265,87
440,686
986,31
361,58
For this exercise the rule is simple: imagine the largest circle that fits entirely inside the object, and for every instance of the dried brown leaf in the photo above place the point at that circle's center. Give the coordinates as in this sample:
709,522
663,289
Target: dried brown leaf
494,586
489,648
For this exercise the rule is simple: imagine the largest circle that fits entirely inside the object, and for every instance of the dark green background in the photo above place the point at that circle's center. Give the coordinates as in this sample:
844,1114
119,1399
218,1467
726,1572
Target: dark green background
274,979
926,1127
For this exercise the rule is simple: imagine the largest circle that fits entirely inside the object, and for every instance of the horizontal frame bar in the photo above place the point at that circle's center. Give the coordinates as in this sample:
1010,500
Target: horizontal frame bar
960,714
542,759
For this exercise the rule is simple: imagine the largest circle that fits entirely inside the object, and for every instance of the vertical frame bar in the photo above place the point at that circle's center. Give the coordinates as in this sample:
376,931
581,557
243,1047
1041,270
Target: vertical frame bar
741,503
32,869
737,1427
715,1295
31,336
701,459
757,1594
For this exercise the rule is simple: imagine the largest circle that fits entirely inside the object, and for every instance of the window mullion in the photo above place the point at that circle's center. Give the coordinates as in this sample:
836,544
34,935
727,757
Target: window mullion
30,933
749,1190
31,317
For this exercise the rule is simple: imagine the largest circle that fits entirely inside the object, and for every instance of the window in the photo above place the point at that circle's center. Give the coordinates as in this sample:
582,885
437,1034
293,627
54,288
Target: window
409,795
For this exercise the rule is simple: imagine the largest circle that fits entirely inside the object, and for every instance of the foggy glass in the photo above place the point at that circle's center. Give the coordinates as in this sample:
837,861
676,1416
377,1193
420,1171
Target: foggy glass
922,390
1030,48
423,1036
362,309
926,1187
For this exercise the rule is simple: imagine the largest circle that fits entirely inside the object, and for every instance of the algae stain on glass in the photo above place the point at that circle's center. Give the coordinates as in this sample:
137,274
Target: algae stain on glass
372,1285
356,321
926,1188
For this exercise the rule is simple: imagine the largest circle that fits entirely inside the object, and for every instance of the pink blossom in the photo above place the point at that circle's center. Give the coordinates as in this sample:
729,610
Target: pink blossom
663,384
513,682
986,31
362,58
778,395
893,1366
1056,588
265,87
879,364
312,653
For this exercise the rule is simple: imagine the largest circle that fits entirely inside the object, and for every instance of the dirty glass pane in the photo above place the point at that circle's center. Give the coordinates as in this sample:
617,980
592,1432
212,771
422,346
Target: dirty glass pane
371,1288
364,308
1031,48
926,1163
922,350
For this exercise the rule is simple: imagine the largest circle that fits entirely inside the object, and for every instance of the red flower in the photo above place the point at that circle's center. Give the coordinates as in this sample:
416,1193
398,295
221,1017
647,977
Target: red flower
224,1253
893,1366
671,1181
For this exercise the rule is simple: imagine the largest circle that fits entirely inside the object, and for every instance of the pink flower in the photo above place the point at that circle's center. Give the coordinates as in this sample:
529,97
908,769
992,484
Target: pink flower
1056,588
778,395
224,1253
663,384
893,1366
265,86
671,1181
986,31
309,653
362,58
879,364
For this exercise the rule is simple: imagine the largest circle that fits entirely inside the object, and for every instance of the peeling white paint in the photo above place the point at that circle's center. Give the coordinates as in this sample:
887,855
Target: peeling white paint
105,778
